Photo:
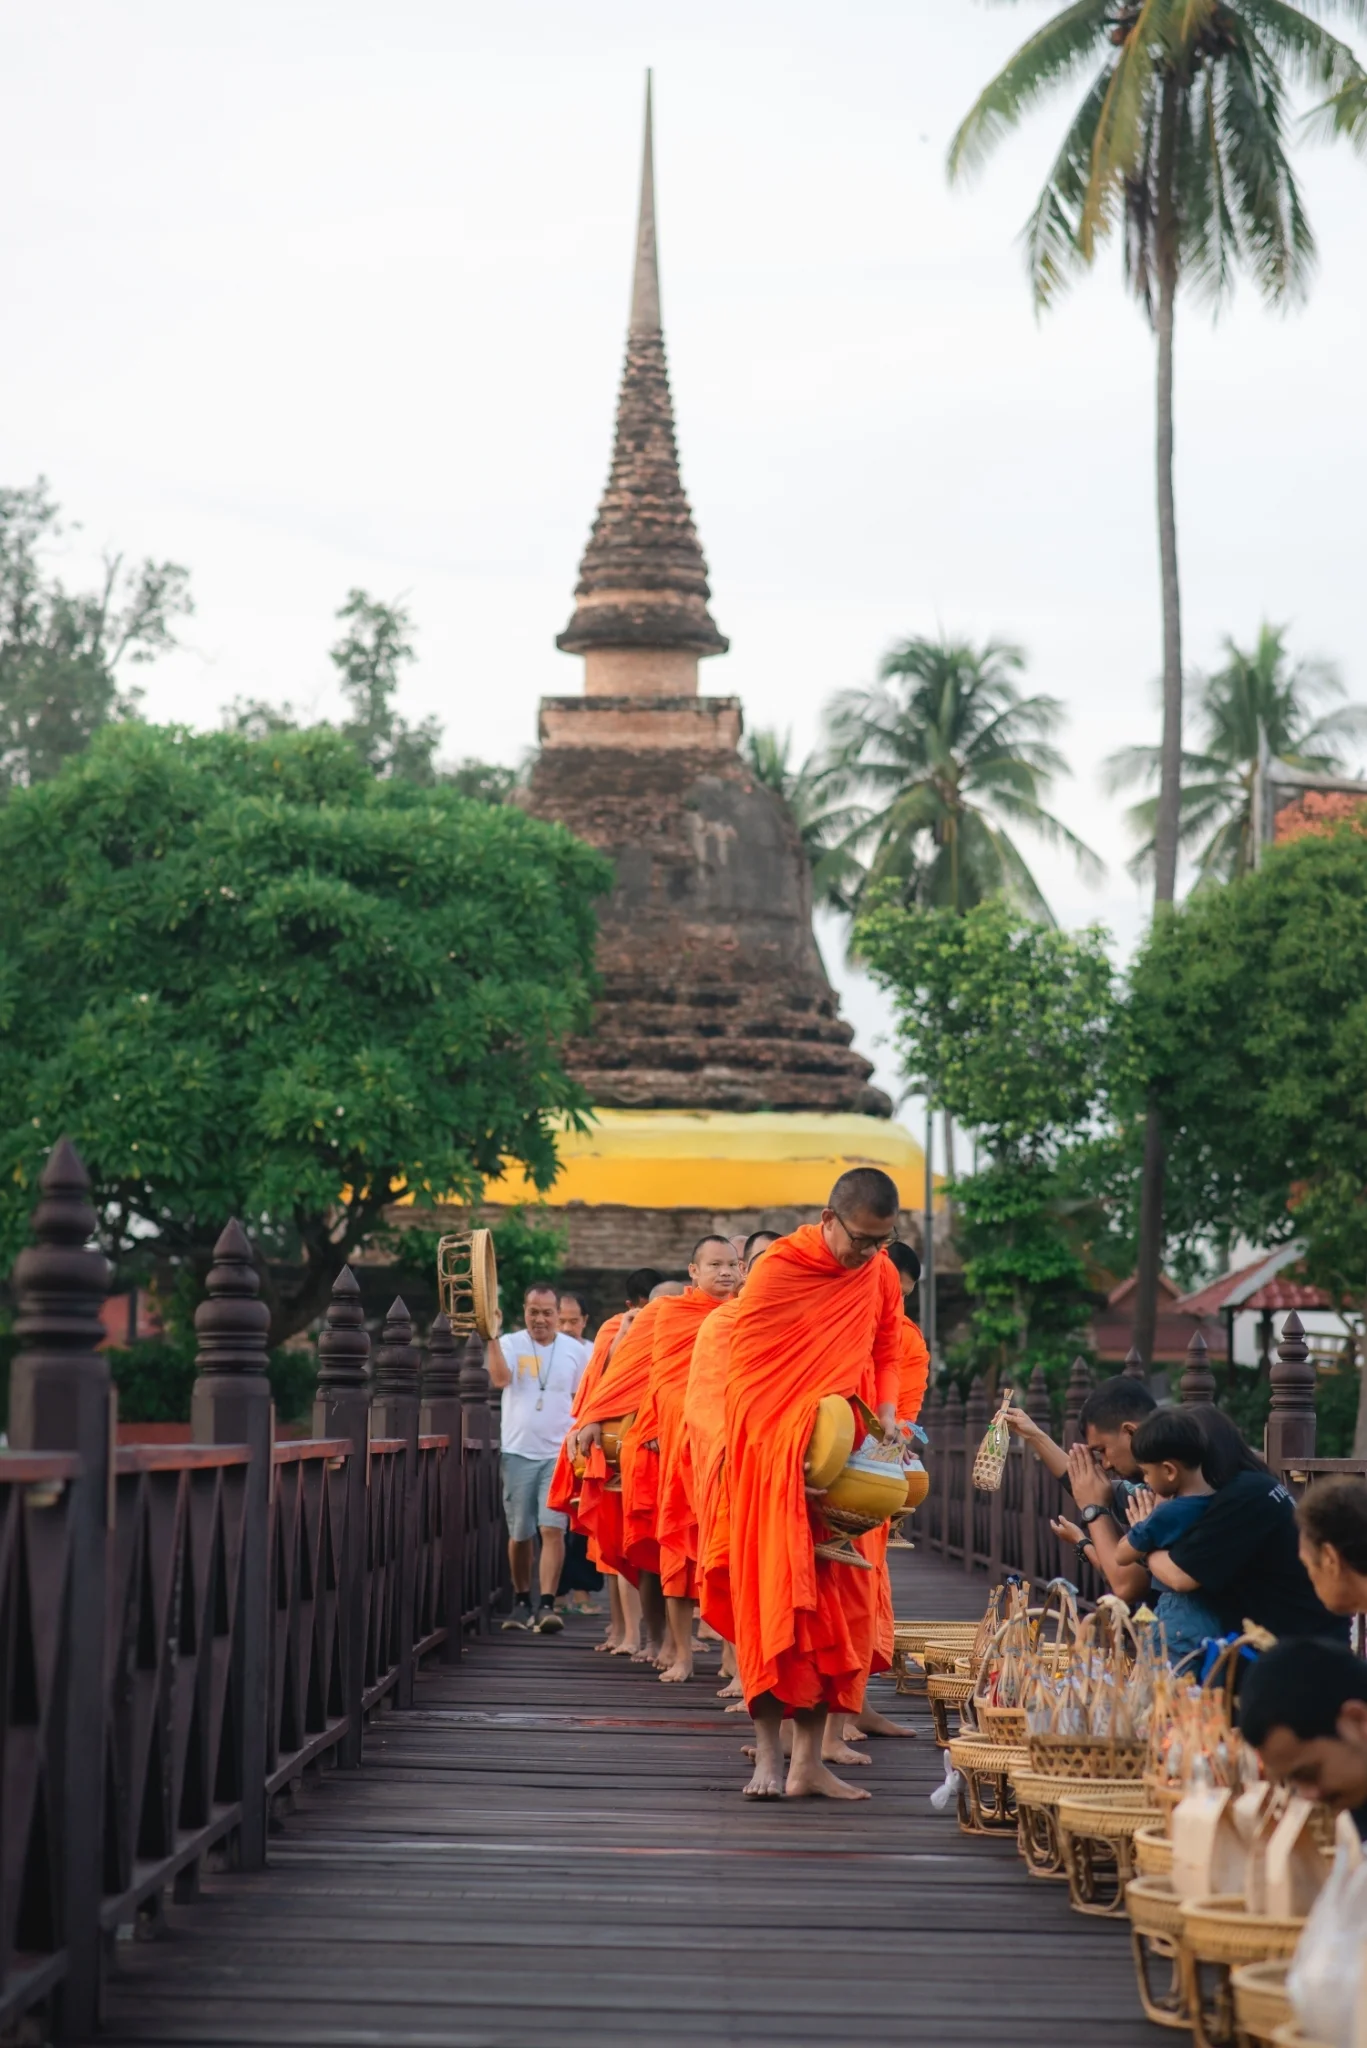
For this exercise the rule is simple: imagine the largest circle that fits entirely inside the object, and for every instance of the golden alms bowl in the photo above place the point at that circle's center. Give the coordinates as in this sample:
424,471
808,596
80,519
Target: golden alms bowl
613,1432
871,1487
918,1483
831,1441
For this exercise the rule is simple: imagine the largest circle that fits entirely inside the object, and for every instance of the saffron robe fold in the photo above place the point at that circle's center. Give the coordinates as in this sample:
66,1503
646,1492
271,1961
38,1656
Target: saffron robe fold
564,1487
622,1388
705,1421
913,1373
805,1628
667,1510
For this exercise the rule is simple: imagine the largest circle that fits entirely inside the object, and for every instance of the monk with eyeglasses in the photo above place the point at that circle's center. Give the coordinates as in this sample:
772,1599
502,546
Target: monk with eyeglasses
821,1314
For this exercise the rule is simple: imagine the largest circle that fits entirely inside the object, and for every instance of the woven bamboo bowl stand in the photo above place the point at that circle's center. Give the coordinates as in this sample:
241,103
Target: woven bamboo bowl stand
1003,1724
1037,1801
1261,2005
987,1800
1096,1840
1156,1937
1153,1851
1072,1756
909,1644
1218,1933
947,1693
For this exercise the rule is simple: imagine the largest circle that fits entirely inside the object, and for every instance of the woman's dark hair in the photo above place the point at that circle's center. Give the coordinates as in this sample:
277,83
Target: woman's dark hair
1170,1435
1227,1455
1335,1511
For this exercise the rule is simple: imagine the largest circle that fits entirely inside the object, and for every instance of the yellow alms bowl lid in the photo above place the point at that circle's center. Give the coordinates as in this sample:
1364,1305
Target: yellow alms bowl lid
831,1440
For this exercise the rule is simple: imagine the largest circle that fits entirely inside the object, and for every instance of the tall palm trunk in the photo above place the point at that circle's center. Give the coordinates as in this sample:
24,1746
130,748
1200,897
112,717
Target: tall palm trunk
1170,780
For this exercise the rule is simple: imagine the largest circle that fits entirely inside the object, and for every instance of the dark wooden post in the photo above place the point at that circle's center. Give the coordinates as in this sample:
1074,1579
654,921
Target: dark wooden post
1291,1424
951,1447
1134,1368
395,1414
59,1401
932,1421
230,1403
1079,1387
479,1479
443,1415
1198,1381
1033,1478
975,1427
342,1408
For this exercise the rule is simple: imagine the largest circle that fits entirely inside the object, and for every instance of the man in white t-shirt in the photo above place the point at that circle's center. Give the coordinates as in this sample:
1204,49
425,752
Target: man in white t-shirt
538,1368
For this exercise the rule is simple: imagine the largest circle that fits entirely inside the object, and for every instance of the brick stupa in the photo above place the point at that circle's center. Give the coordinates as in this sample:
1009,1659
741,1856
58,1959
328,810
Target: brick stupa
713,992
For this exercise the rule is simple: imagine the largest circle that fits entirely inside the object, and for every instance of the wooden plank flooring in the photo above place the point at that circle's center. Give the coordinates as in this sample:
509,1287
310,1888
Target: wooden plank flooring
551,1851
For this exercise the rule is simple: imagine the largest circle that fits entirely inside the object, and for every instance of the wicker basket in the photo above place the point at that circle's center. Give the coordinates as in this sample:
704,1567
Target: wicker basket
1153,1851
987,1804
1003,1724
1074,1756
1082,1815
1096,1841
1154,1907
1220,1929
1260,2001
1156,1935
946,1694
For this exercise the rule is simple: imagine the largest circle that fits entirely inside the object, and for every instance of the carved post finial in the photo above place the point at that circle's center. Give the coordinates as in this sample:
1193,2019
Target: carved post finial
1134,1367
231,1324
60,1281
1037,1405
1079,1387
397,1360
1198,1381
441,1372
1292,1421
976,1412
344,1341
474,1374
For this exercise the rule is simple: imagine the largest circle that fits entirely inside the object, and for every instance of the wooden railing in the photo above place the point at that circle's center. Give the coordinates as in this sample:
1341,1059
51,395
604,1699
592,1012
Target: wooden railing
1009,1530
186,1629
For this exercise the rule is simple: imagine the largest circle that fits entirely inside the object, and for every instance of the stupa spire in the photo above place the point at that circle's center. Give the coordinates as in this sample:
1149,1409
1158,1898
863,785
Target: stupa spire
641,619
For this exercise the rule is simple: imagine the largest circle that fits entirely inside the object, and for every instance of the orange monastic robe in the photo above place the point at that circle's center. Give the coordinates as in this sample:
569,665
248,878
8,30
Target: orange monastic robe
705,1418
621,1389
564,1485
671,1517
805,1628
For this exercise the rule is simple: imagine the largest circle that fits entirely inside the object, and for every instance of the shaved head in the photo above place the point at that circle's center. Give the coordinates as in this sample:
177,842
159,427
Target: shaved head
868,1189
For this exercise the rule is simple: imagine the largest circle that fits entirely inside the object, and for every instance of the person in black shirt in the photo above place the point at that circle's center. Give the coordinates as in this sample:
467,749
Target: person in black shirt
1303,1707
1243,1556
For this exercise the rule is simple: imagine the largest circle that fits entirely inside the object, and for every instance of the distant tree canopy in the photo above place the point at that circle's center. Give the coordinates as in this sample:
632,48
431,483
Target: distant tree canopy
249,978
61,651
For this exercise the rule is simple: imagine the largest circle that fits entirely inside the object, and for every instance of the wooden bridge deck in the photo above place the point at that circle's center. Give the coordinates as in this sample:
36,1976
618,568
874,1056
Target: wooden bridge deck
552,1852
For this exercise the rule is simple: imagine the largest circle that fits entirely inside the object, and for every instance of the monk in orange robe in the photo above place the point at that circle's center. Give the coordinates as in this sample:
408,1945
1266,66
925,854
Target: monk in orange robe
705,1421
622,1390
821,1315
661,1504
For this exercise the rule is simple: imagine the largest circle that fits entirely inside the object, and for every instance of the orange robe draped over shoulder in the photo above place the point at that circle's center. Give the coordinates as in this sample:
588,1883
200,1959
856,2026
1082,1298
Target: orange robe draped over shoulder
705,1419
672,1517
805,1628
564,1486
622,1388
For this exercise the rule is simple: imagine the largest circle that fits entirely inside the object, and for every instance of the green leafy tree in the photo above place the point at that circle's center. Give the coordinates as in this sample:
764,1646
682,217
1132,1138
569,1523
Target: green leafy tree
369,658
1249,1011
249,978
1259,705
949,759
61,651
1017,1031
1179,141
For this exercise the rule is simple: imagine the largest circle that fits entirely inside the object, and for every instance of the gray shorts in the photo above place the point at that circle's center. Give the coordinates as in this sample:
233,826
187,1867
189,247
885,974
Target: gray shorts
526,1482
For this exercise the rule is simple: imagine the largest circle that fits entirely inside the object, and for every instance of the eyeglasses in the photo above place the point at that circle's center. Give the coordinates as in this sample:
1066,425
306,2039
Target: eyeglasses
864,1243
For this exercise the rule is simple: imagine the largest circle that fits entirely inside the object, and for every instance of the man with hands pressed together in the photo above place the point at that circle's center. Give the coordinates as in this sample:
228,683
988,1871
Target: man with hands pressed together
1095,1472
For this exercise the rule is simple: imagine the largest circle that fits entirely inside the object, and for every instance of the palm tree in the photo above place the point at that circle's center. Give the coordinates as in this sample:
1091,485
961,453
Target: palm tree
1259,706
948,757
816,809
1179,140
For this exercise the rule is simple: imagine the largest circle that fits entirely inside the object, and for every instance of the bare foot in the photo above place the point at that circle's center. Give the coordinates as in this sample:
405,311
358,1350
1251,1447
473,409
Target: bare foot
628,1647
677,1674
816,1782
834,1751
647,1654
731,1691
871,1722
736,1707
765,1784
853,1732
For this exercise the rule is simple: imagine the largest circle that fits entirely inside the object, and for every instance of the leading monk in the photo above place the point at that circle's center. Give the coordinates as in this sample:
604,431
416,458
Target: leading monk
821,1314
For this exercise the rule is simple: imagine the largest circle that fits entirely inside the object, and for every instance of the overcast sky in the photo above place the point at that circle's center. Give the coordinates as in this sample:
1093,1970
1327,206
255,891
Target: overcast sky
309,296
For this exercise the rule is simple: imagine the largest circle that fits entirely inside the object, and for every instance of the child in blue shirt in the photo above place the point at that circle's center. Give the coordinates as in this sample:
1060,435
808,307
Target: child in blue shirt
1169,1447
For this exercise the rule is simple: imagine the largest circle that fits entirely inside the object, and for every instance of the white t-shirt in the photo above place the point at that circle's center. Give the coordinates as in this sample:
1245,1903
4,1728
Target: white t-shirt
538,1399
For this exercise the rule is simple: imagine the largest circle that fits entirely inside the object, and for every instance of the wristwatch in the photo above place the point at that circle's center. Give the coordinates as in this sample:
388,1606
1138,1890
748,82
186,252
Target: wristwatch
1090,1513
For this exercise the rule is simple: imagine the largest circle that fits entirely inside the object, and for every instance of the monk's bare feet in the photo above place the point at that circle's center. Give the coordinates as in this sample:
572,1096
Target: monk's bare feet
628,1647
677,1673
834,1751
611,1646
814,1781
767,1783
733,1691
853,1732
736,1707
870,1722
